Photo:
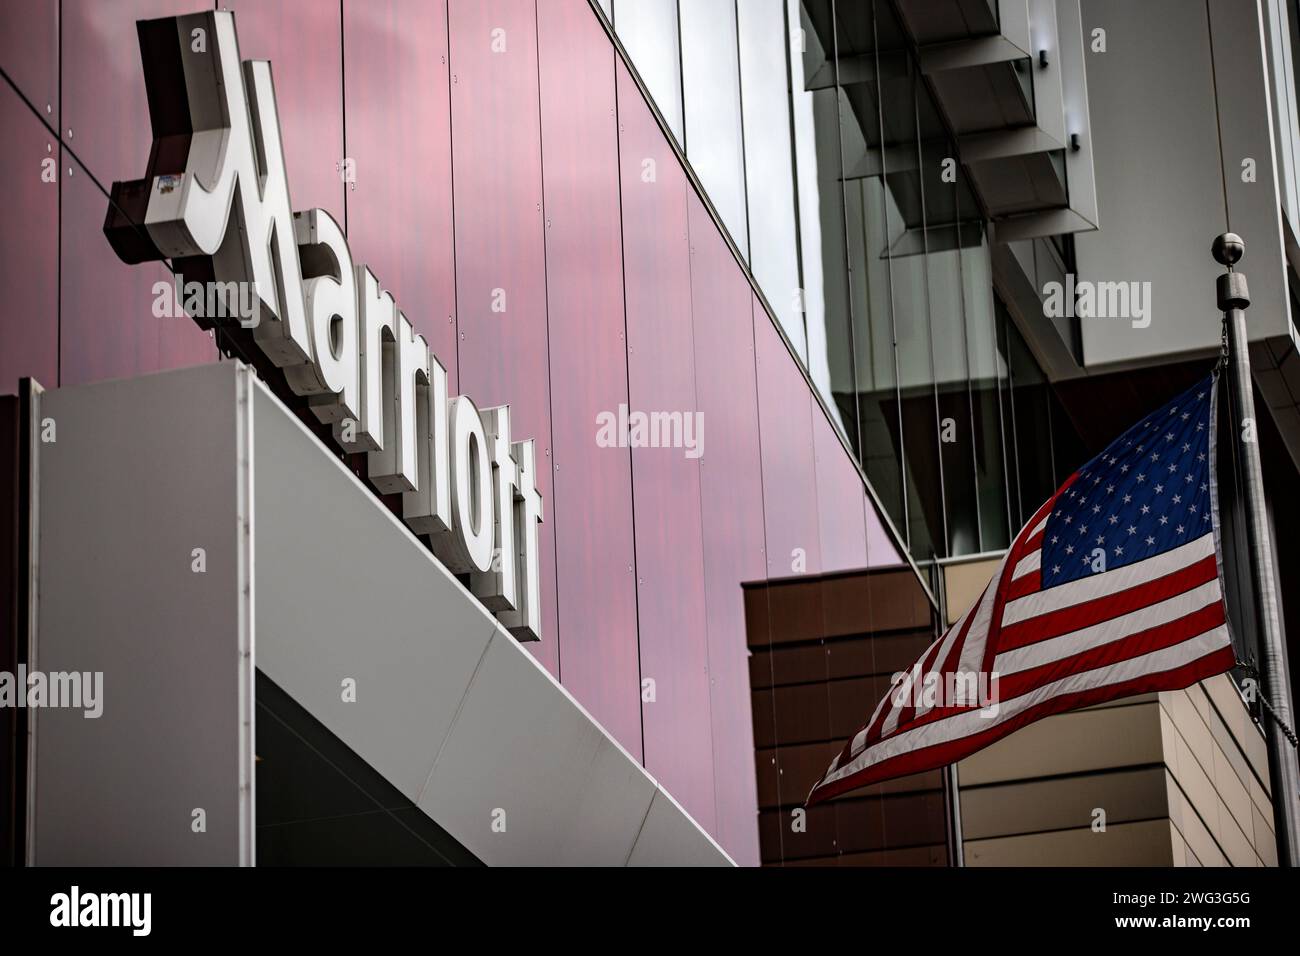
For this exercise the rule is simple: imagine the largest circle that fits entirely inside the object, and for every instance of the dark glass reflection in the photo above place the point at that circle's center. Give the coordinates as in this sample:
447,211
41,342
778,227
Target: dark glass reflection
1029,397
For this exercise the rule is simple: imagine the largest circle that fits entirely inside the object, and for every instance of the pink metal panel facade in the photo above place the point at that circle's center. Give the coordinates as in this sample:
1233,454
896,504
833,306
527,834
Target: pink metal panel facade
303,39
397,99
29,256
514,191
107,326
591,505
665,481
731,505
500,238
29,53
785,408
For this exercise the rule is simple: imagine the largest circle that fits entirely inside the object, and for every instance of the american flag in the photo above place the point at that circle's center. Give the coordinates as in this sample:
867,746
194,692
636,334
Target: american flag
1111,589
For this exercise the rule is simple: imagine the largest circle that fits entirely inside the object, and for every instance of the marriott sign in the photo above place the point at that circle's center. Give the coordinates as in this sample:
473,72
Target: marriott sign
216,196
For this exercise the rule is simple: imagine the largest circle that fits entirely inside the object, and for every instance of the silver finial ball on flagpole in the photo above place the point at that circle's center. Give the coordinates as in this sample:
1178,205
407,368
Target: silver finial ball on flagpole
1228,249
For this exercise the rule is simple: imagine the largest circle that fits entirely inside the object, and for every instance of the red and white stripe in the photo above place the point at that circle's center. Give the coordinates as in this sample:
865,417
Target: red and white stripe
1156,624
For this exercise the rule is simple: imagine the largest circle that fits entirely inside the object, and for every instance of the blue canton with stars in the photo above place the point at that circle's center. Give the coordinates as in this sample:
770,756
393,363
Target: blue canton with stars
1148,493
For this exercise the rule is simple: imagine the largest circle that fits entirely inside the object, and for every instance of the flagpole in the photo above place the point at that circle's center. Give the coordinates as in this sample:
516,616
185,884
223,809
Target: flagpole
1234,299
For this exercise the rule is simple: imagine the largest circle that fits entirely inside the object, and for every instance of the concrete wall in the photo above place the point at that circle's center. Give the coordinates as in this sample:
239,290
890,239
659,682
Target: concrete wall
127,491
1216,778
309,578
1170,70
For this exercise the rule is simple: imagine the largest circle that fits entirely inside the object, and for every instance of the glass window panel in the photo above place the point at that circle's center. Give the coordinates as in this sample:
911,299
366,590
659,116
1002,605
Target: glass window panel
1068,450
648,30
823,257
942,252
769,169
875,363
957,455
896,143
874,366
987,371
1010,437
711,89
1030,396
898,284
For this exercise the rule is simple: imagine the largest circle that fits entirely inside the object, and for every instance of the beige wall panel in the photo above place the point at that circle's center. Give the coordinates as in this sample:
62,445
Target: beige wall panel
1196,784
1070,743
964,582
1063,803
1236,845
1261,799
1179,846
1227,702
1187,719
1129,844
1208,763
1231,791
1265,840
1194,830
1230,747
1125,701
